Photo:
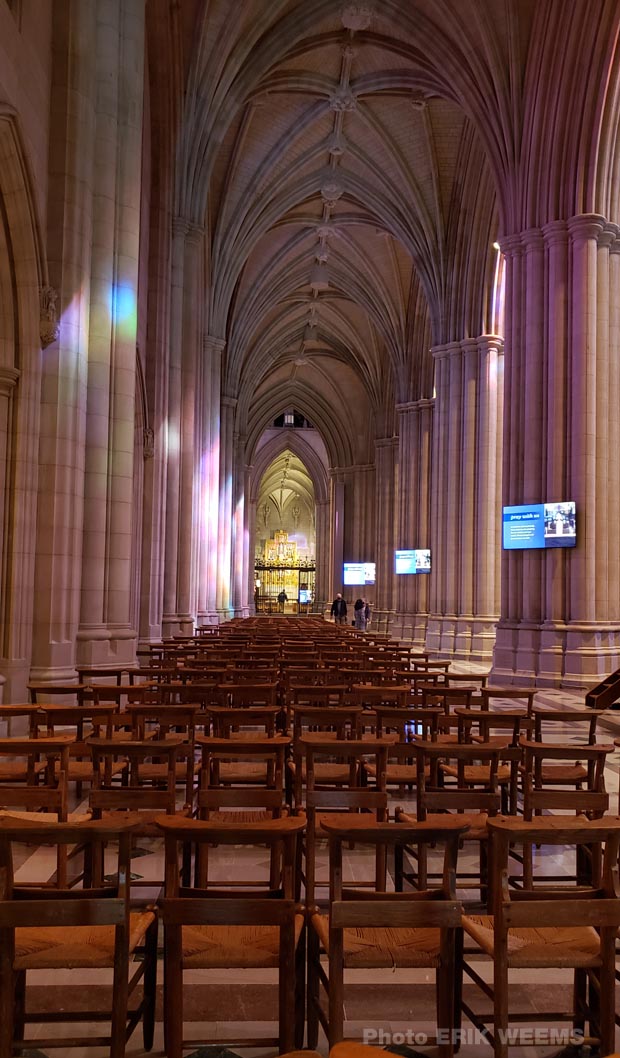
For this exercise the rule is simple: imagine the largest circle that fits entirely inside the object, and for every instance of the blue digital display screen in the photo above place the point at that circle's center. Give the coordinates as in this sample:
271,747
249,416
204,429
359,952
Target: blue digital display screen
416,560
539,525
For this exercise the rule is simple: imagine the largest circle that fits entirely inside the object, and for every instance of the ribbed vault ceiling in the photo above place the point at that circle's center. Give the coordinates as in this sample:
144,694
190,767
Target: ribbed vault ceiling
341,135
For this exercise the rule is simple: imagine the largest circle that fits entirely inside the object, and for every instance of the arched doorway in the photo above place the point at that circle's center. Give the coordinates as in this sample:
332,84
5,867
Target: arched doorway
285,538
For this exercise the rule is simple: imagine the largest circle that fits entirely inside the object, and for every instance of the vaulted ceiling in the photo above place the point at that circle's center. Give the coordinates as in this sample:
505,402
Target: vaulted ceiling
334,154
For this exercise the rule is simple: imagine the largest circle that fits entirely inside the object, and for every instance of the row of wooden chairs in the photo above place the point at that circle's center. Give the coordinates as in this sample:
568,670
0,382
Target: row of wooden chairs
212,926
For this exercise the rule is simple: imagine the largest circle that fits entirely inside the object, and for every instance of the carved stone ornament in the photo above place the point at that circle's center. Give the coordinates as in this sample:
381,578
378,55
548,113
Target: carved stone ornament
331,190
343,101
148,443
336,144
356,16
49,327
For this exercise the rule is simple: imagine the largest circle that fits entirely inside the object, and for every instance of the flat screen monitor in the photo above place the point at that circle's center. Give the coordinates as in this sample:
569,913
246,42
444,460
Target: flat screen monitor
358,573
416,560
304,596
539,525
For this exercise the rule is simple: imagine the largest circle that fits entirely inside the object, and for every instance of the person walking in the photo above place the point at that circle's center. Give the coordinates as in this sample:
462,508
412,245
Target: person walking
359,611
339,610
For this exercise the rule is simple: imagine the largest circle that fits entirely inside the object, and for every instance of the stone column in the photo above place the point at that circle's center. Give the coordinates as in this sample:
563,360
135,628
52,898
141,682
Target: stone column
213,349
60,510
386,450
224,537
415,433
560,619
106,632
466,515
337,495
322,590
239,557
8,380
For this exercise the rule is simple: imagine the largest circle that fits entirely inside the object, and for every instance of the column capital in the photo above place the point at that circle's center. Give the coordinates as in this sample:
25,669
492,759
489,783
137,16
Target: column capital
194,233
386,442
8,380
486,342
511,245
229,402
415,405
586,226
532,240
608,236
213,345
441,352
555,233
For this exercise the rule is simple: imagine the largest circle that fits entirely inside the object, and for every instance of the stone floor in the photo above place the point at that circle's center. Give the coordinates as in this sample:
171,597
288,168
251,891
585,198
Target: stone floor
394,1008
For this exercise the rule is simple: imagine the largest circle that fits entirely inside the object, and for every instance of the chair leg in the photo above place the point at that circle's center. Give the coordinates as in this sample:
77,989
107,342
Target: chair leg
313,987
580,980
300,989
444,998
150,983
336,988
500,998
607,991
120,992
173,992
287,990
7,1009
20,1005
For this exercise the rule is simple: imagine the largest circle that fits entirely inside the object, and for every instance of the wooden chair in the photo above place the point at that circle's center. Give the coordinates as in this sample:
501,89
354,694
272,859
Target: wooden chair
384,930
328,723
243,762
136,800
504,730
545,928
239,722
77,929
82,723
43,692
38,791
408,725
588,798
219,927
438,804
582,724
491,697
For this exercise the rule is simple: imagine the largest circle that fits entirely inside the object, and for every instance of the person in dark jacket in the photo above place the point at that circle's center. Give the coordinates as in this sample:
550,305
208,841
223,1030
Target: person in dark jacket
339,610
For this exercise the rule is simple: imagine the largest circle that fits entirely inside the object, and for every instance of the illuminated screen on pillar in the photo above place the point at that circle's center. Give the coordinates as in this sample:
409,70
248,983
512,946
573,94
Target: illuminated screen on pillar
416,560
358,573
539,525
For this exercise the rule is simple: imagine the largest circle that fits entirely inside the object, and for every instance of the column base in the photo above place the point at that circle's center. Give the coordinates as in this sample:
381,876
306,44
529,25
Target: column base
207,617
463,638
177,625
101,645
572,656
411,628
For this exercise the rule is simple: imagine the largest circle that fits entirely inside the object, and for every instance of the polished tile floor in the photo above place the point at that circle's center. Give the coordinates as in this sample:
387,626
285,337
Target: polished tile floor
387,1007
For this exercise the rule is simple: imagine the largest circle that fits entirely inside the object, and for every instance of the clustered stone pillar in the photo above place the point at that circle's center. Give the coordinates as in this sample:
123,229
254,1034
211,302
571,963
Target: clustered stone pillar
8,380
225,528
322,585
60,512
415,433
386,464
466,499
560,616
337,497
213,349
106,629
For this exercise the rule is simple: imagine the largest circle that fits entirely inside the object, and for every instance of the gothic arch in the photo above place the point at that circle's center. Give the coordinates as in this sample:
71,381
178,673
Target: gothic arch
292,440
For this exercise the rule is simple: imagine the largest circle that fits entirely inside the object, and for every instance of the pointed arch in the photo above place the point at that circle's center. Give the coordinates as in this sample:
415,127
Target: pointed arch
295,443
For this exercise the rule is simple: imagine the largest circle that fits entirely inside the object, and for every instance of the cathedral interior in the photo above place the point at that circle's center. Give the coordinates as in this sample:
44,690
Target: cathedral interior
307,298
